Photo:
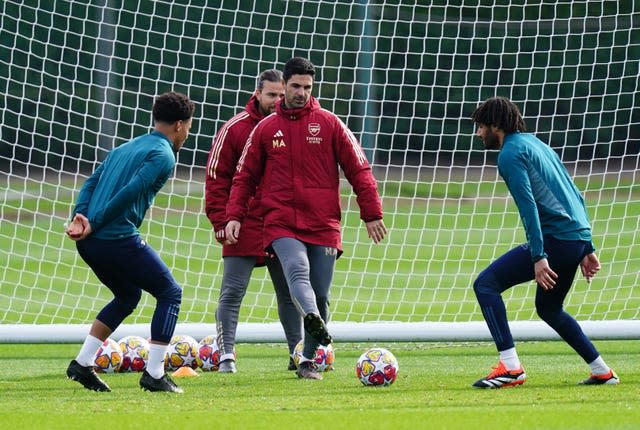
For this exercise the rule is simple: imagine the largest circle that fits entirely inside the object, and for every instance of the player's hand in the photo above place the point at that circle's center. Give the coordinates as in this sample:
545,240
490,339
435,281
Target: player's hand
590,266
79,228
545,277
232,232
221,237
376,230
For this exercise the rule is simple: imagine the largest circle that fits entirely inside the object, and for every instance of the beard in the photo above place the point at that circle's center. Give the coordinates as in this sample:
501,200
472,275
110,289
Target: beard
491,141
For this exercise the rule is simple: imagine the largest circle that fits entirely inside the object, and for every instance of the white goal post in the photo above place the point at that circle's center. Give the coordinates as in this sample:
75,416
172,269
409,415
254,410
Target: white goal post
341,331
78,78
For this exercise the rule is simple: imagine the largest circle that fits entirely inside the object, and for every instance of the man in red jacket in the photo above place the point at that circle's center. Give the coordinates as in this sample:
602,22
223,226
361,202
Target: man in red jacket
295,155
241,257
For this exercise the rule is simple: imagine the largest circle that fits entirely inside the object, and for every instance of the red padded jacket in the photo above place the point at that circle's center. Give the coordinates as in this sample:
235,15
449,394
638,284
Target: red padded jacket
295,155
225,152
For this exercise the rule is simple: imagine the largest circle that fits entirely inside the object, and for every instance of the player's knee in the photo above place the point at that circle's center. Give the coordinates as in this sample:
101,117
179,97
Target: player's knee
298,274
549,314
117,310
126,305
127,308
176,295
485,284
232,295
171,295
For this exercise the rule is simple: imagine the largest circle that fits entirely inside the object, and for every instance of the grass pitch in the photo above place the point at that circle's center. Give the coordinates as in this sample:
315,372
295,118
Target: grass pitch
441,236
433,391
43,282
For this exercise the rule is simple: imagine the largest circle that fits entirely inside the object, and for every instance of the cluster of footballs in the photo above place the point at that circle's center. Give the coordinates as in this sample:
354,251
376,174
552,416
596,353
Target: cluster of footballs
375,367
130,354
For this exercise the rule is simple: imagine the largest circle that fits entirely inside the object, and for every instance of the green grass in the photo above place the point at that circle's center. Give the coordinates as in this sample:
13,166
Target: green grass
432,392
442,234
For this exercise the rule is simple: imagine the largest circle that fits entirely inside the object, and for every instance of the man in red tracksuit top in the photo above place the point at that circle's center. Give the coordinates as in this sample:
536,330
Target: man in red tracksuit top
295,155
240,258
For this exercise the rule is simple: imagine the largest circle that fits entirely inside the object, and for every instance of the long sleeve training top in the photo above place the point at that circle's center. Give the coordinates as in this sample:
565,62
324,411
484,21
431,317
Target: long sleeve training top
116,197
548,201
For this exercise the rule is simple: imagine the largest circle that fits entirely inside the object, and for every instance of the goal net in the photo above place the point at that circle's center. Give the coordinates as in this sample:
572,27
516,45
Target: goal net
78,78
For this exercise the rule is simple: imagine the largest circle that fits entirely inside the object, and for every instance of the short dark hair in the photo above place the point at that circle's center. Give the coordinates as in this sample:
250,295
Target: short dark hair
171,107
298,66
499,112
271,75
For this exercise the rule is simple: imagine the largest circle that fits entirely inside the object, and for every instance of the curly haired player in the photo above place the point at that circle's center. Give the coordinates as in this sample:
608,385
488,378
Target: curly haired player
559,241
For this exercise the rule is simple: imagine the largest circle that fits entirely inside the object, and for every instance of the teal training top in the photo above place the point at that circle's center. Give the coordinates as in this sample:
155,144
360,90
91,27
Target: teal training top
117,195
548,201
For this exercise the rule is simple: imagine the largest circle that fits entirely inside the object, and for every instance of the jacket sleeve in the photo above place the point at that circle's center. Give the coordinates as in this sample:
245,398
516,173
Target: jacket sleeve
357,170
221,166
513,169
248,175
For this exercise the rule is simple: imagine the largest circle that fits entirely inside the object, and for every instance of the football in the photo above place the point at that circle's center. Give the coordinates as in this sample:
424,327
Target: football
181,352
109,357
377,367
135,353
208,357
323,358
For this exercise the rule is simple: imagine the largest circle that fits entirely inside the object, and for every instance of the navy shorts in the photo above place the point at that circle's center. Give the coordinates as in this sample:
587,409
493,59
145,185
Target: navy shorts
127,266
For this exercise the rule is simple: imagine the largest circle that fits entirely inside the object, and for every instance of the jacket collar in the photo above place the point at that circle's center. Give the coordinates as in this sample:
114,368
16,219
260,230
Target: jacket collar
297,113
253,108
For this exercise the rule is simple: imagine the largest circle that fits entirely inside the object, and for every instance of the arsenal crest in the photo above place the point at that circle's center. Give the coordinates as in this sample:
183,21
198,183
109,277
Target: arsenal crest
314,128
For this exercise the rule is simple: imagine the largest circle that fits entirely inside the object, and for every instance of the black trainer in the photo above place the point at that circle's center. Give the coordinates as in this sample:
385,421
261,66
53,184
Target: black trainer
292,364
165,383
314,325
86,376
307,370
